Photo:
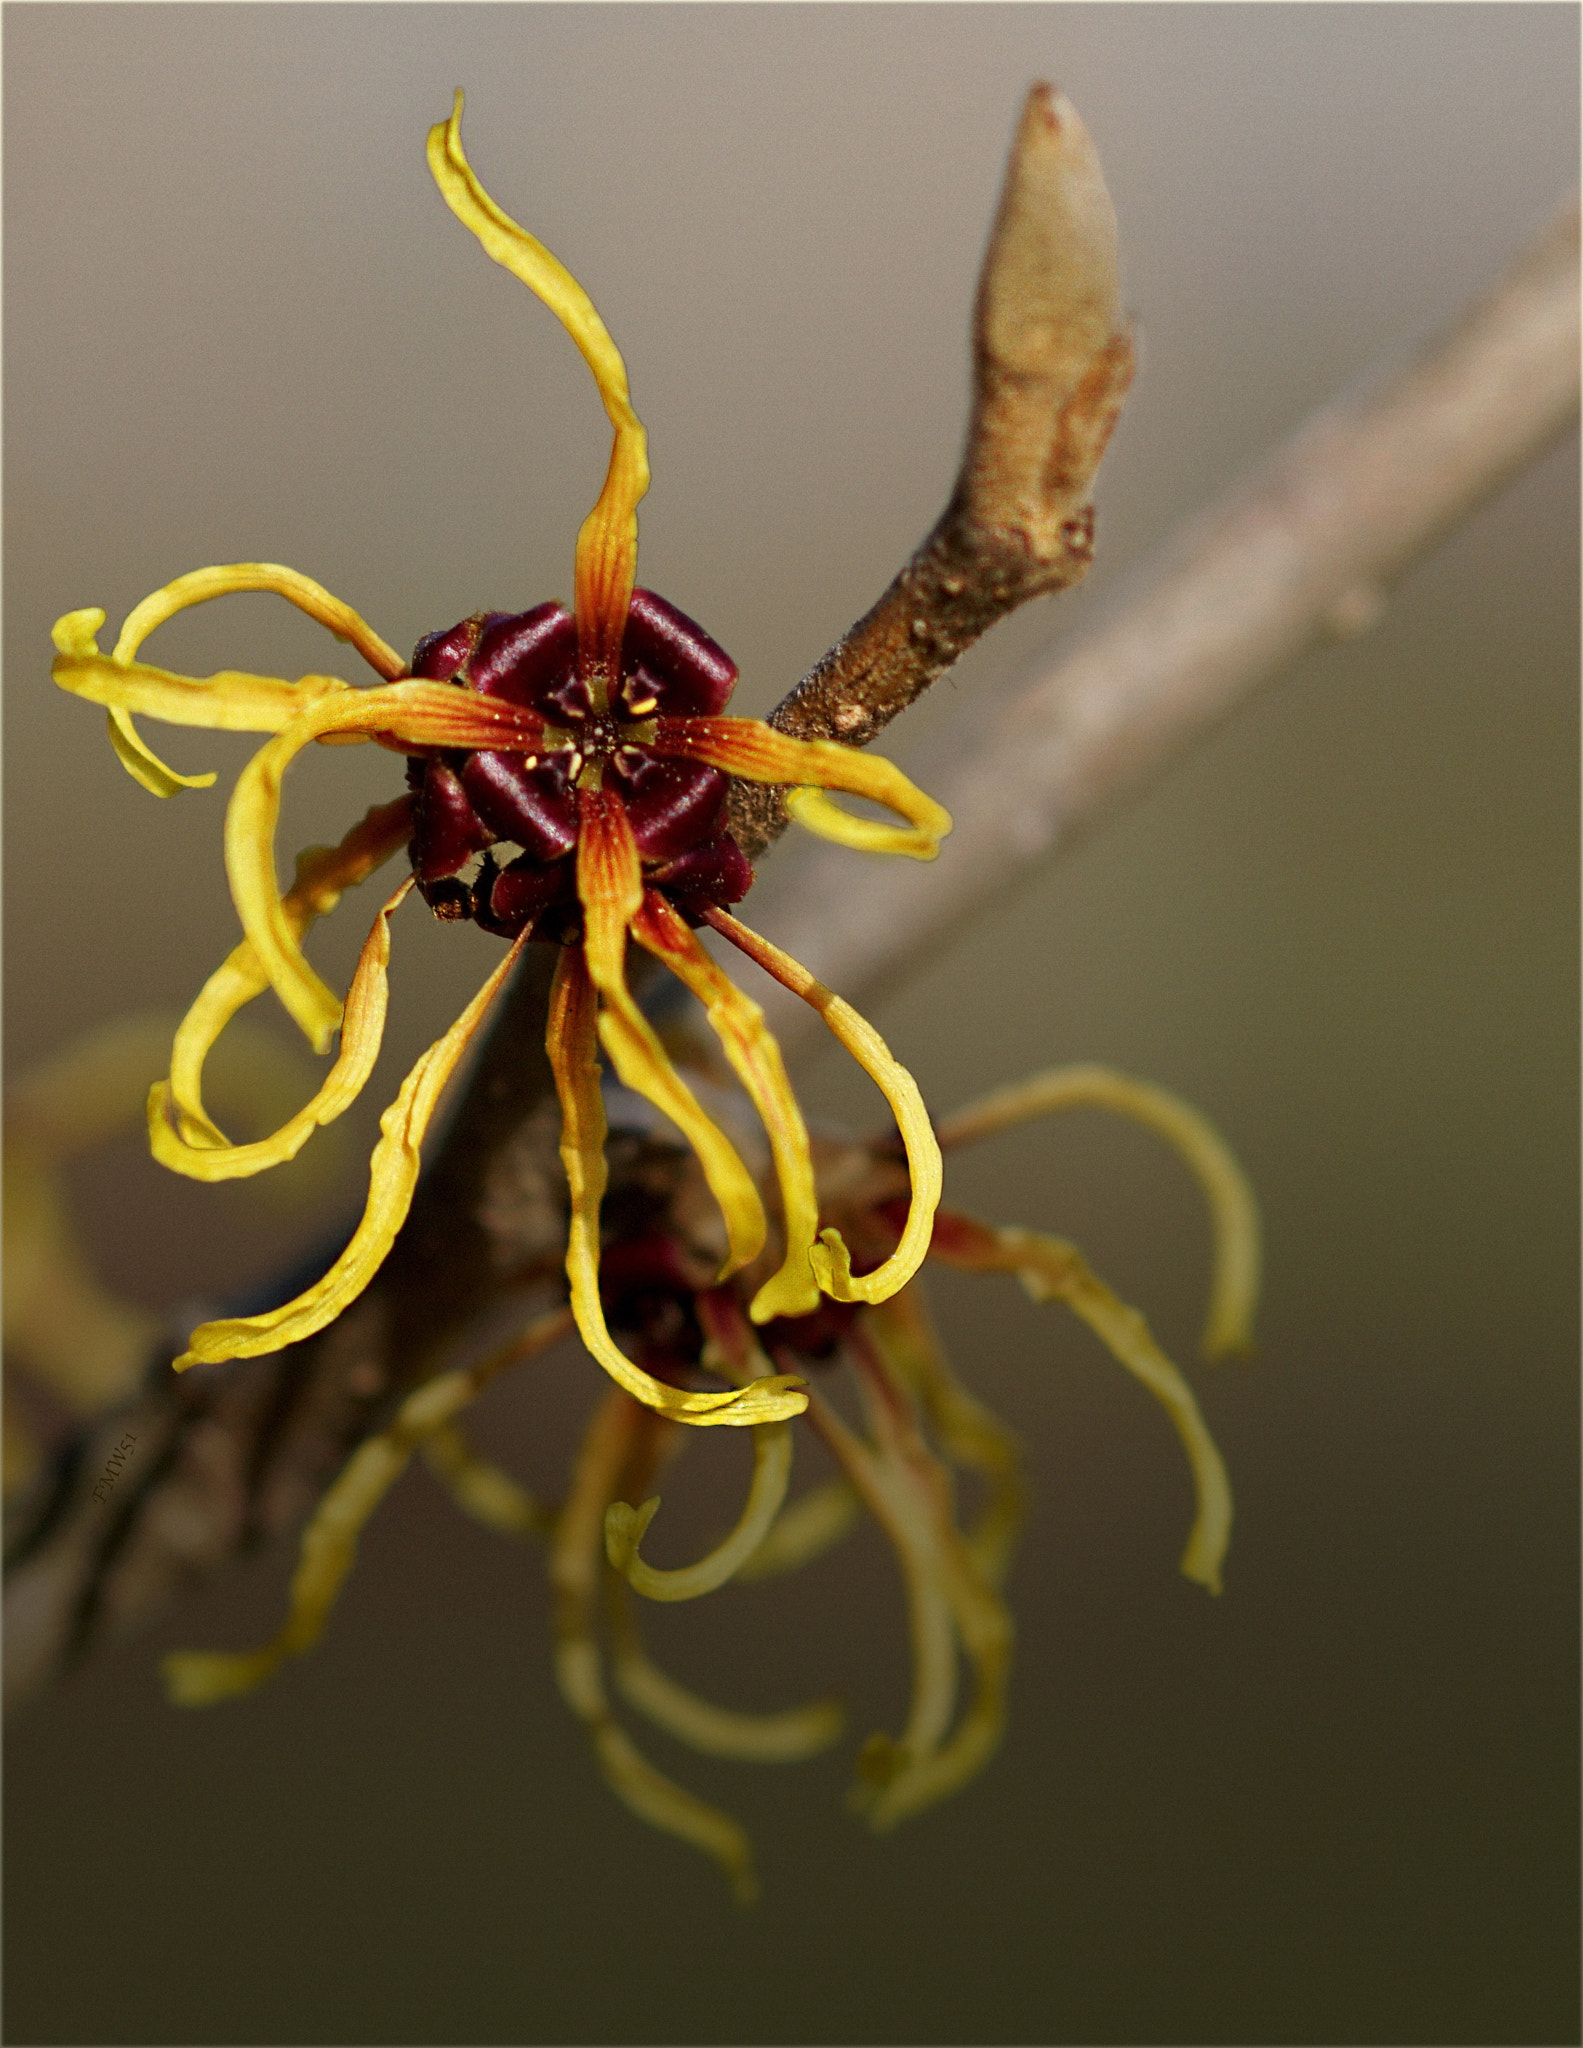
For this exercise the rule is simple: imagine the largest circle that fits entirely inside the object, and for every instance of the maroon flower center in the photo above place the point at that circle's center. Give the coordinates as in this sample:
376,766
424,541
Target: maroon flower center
468,804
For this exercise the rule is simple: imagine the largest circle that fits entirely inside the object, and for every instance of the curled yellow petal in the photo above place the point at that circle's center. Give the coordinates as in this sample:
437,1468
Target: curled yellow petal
480,1489
328,1550
199,585
572,1042
625,1527
970,1435
812,1524
393,1174
1053,1270
608,543
907,1518
610,887
362,1033
738,1023
831,1262
323,873
776,1738
755,751
410,714
230,701
1233,1206
75,639
576,1564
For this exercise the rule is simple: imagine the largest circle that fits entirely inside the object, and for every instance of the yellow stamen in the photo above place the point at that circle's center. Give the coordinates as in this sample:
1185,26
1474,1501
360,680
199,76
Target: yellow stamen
1053,1270
831,1261
610,888
362,1033
756,752
572,1041
1233,1207
392,1177
738,1023
607,546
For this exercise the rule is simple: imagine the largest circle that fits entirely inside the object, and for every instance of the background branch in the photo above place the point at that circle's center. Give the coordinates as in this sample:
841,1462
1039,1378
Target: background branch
1303,546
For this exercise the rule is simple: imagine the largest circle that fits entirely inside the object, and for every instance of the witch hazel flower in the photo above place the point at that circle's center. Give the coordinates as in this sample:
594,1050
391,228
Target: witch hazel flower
568,772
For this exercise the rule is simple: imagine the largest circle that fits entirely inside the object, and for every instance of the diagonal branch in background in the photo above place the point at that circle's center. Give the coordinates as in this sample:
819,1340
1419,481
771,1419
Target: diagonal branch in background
1052,360
1304,545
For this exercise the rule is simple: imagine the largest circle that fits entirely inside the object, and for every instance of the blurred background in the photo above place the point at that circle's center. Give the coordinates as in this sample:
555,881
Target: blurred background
1338,1804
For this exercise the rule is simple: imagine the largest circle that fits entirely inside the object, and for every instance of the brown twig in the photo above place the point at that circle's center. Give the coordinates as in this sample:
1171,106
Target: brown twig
1303,546
1052,360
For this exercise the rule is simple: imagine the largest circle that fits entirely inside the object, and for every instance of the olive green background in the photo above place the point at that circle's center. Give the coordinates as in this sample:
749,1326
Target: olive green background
1339,1803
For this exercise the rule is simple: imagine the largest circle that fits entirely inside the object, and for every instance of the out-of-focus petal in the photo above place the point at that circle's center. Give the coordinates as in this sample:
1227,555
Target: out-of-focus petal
786,1737
393,1174
328,1549
1233,1206
576,1566
756,752
1053,1270
625,1528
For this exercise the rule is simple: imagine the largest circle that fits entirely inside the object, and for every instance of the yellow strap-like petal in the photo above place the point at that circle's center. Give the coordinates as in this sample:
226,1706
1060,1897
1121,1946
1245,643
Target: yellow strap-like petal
756,752
610,888
393,1174
738,1023
410,714
903,1782
328,1549
831,1262
1053,1270
75,639
607,546
323,873
786,1737
576,1565
970,1435
814,1523
572,1042
199,585
1233,1206
625,1528
362,1033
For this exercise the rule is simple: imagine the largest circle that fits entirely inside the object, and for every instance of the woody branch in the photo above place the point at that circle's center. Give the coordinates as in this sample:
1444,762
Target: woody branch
230,1456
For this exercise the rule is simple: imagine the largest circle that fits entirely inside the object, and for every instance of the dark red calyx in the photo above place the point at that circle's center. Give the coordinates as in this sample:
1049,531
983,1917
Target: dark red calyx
468,802
815,1337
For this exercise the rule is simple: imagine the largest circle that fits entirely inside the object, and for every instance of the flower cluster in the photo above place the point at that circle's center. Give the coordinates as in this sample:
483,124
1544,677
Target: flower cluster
592,740
568,774
920,1427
